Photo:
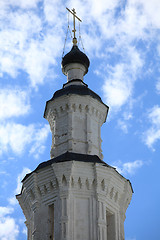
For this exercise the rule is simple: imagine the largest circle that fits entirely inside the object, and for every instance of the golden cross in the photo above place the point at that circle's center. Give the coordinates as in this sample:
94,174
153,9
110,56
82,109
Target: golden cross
73,12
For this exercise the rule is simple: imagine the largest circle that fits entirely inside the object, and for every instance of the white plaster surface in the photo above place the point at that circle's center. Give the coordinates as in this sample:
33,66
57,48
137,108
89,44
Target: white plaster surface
75,200
75,122
74,71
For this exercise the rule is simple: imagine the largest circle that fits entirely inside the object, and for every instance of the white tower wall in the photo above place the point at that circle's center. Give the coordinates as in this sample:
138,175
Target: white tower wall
75,200
75,122
74,71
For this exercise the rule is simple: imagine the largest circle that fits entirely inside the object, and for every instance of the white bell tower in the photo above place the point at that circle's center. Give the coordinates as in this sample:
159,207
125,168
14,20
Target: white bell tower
75,195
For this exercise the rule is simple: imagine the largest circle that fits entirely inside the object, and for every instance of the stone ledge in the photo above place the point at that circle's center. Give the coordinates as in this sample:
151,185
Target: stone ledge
75,89
70,156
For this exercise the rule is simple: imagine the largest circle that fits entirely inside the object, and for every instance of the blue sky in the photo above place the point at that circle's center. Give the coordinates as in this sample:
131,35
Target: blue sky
122,41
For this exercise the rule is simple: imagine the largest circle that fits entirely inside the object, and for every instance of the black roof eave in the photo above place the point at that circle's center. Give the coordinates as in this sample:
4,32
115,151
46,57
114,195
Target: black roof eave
75,89
70,156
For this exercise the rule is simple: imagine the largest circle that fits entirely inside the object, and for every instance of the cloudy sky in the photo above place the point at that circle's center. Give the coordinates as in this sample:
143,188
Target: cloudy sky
122,41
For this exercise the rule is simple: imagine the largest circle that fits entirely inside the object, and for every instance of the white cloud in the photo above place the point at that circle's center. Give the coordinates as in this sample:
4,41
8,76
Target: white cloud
15,39
116,89
154,116
118,86
3,173
133,21
39,137
158,86
152,134
128,167
40,56
52,10
18,137
23,45
36,63
151,10
13,102
28,18
23,3
123,125
24,231
5,211
8,227
124,121
20,177
28,46
110,31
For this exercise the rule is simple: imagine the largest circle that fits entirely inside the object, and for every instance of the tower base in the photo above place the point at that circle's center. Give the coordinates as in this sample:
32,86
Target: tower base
75,197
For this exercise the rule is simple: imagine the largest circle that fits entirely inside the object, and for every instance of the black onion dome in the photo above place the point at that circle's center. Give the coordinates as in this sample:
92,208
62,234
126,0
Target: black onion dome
75,56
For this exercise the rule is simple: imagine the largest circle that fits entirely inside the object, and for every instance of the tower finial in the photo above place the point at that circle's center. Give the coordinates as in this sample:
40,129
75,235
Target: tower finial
73,12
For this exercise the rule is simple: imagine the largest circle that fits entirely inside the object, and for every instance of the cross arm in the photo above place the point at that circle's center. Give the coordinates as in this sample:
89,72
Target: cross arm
73,14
